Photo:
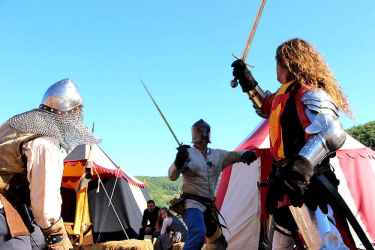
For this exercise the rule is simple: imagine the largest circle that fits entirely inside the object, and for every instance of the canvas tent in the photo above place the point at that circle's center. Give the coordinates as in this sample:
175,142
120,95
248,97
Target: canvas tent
129,198
354,166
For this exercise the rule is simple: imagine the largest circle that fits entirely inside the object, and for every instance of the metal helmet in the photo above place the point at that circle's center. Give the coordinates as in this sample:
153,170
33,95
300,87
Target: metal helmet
199,130
59,117
62,97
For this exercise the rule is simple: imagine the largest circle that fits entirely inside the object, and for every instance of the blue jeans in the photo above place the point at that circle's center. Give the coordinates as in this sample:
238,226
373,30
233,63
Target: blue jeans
194,221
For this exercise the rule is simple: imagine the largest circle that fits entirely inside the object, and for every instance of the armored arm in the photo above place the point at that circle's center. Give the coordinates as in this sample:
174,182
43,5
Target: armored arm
250,86
257,96
327,134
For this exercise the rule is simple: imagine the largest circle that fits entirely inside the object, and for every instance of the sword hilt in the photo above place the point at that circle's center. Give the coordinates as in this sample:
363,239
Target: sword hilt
243,59
234,82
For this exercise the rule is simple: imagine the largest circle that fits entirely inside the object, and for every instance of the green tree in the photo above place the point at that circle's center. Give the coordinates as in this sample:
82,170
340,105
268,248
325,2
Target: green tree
364,134
161,189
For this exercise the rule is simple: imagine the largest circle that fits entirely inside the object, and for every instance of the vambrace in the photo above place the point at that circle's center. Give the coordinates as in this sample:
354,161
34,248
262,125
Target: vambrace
327,134
257,96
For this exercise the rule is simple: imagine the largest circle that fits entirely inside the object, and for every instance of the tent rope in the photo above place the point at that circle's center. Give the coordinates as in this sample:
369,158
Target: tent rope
157,195
110,203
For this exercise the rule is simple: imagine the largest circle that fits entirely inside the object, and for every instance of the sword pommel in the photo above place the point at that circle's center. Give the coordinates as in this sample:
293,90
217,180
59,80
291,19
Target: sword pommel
234,83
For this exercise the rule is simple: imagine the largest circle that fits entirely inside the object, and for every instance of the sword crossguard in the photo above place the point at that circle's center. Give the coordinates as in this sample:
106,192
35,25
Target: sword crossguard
234,82
242,60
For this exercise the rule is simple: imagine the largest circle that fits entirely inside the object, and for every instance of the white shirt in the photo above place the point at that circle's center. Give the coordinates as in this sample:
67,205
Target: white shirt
200,174
166,222
45,167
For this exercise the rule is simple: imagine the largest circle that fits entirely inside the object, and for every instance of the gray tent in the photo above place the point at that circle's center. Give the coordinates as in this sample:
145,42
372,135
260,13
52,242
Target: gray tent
129,199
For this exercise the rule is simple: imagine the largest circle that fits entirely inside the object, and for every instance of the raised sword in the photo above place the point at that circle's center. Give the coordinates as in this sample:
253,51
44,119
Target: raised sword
234,82
165,120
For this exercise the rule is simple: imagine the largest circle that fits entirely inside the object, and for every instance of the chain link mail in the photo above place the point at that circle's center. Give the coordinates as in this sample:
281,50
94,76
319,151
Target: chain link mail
69,130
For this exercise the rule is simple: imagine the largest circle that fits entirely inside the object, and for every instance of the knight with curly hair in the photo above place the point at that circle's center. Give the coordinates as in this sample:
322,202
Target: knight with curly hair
304,133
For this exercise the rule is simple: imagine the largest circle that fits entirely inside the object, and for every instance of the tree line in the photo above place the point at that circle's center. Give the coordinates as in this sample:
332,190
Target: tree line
365,134
161,189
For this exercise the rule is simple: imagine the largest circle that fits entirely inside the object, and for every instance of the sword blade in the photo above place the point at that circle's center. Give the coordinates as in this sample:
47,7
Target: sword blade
253,29
165,120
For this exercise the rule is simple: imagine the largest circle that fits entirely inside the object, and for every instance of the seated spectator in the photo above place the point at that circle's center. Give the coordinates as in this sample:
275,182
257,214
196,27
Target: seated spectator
167,222
150,216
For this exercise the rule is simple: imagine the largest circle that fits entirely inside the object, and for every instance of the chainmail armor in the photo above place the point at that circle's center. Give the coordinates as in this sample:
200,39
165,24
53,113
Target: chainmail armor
68,130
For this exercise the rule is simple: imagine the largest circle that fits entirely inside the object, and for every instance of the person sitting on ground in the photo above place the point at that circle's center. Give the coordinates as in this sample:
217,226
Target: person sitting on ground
149,215
167,222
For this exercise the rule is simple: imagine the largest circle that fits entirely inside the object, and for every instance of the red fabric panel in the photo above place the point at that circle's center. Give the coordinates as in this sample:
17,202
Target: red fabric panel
257,138
267,104
223,186
301,108
252,143
116,172
360,179
266,162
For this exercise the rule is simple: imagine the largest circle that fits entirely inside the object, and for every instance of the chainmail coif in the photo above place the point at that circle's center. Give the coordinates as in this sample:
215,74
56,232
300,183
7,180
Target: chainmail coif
68,130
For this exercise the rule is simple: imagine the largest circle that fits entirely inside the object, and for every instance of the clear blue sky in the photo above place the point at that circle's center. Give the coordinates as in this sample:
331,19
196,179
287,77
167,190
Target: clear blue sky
182,51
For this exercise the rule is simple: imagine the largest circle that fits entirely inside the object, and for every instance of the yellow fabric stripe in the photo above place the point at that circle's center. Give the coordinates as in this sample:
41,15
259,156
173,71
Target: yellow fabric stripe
284,87
216,235
82,211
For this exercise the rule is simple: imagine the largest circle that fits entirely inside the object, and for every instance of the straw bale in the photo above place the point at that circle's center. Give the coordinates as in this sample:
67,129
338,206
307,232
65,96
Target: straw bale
178,246
128,245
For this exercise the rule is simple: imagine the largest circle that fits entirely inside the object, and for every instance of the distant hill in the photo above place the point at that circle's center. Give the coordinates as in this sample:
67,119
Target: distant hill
161,189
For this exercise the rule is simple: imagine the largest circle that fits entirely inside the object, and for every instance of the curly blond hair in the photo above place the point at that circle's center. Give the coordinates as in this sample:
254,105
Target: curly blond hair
308,66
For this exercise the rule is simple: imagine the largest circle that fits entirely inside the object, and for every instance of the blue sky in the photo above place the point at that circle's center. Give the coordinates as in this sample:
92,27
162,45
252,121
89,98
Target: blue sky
182,51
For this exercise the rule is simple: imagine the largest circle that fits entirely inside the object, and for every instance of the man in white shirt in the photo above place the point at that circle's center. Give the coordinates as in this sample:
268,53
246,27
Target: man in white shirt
201,167
31,168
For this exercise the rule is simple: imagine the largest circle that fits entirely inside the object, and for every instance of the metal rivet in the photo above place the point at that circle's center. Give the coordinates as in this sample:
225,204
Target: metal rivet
54,239
59,112
51,109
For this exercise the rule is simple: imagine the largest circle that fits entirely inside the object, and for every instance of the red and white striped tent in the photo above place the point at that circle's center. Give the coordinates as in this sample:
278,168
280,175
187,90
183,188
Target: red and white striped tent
241,202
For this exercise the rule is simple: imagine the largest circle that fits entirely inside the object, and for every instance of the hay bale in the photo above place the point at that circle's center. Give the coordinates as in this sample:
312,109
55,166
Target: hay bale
128,245
178,246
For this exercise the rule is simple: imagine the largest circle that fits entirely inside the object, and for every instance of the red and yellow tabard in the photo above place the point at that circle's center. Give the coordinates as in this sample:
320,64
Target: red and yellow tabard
278,105
288,119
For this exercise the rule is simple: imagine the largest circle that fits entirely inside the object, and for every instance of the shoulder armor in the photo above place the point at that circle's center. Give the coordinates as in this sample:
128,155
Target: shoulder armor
327,134
318,101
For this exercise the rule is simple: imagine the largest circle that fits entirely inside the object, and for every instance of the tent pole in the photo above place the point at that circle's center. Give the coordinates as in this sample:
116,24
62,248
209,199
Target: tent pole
83,224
